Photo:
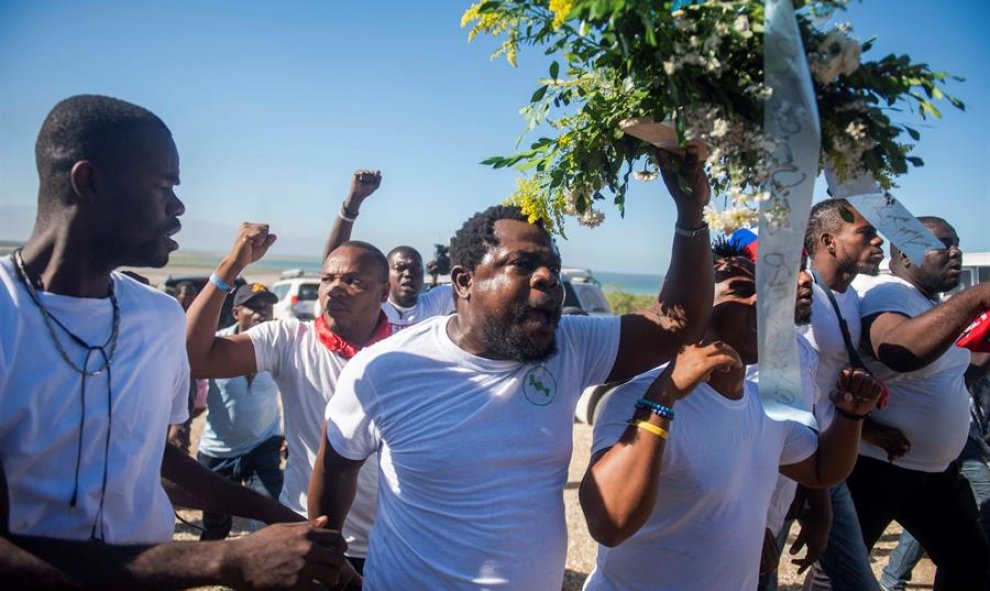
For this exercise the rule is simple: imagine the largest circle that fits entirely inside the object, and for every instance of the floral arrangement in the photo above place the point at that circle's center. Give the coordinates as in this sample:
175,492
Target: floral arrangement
699,67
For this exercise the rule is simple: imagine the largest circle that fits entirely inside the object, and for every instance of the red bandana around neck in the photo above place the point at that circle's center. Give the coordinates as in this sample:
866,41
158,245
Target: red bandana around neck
335,343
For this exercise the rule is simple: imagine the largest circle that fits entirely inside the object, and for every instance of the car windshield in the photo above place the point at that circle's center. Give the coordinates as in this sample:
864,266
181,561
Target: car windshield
280,290
591,297
308,291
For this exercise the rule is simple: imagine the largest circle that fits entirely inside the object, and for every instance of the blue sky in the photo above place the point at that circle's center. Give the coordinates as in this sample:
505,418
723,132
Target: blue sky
274,104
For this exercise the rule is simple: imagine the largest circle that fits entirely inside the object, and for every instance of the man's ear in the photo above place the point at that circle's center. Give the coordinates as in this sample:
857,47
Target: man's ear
461,280
385,290
82,180
827,242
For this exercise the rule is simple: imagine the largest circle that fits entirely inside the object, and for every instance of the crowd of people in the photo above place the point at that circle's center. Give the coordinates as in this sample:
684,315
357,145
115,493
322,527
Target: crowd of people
429,433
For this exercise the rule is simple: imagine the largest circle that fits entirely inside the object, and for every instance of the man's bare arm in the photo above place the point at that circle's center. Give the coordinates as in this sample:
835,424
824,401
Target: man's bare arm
333,484
363,184
838,446
211,356
191,485
680,313
277,557
619,488
907,344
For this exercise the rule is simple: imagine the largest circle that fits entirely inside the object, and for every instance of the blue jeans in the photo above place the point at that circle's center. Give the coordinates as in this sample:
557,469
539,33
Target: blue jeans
846,560
258,469
909,551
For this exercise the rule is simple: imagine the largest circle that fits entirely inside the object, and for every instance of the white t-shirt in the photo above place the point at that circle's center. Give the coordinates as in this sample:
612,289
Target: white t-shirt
306,373
930,405
474,455
783,492
825,337
718,472
439,301
41,401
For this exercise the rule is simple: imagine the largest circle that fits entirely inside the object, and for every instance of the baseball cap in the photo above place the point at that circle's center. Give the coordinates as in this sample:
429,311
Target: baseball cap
250,291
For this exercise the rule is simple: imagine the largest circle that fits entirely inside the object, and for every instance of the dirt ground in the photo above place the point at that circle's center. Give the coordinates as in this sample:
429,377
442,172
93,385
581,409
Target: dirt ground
581,548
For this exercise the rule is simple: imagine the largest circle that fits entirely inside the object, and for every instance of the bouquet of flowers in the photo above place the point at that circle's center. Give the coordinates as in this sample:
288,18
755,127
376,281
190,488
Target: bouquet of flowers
696,67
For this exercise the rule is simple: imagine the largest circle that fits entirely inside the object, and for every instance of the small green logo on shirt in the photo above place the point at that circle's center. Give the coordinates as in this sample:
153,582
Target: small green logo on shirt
539,385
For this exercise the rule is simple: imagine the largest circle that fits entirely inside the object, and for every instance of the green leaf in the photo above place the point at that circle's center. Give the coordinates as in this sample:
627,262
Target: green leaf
554,70
956,103
913,133
539,94
847,215
915,161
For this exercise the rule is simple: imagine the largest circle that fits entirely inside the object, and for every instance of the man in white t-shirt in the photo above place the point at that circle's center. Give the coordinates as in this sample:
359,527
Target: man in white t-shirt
304,358
93,370
406,304
472,414
909,341
680,505
841,244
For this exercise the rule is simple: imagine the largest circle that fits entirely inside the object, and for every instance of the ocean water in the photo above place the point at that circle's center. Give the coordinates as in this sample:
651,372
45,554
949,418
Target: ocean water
629,282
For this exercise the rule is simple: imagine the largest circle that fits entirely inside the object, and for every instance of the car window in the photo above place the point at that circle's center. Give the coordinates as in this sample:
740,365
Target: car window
280,290
591,297
308,291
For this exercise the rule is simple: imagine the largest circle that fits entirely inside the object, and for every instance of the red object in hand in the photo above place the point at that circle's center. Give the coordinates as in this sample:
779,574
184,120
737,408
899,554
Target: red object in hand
976,337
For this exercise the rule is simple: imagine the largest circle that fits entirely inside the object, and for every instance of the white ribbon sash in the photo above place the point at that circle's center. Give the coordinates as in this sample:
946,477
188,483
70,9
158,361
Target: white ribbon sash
886,213
790,117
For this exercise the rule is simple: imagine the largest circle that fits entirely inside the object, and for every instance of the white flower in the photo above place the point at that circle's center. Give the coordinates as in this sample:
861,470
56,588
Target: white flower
693,41
741,26
856,130
838,54
669,67
721,28
644,175
720,128
713,65
591,218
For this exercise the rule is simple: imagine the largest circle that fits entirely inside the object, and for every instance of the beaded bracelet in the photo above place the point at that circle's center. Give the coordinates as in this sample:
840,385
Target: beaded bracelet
656,408
650,428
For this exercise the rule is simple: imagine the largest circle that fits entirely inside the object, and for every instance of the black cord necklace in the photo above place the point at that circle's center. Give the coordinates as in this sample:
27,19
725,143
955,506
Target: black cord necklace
106,351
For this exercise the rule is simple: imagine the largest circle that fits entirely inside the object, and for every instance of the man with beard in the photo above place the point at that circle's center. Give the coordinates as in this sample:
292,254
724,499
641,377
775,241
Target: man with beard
909,340
661,493
473,413
92,371
841,244
406,304
304,358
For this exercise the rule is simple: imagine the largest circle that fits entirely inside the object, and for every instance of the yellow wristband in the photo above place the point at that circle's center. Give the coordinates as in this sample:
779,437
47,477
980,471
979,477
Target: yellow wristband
650,427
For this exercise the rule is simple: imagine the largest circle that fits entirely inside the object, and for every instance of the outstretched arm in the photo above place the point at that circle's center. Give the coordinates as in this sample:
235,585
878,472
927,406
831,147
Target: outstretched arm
907,344
211,356
363,184
277,557
838,447
191,485
680,313
619,488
